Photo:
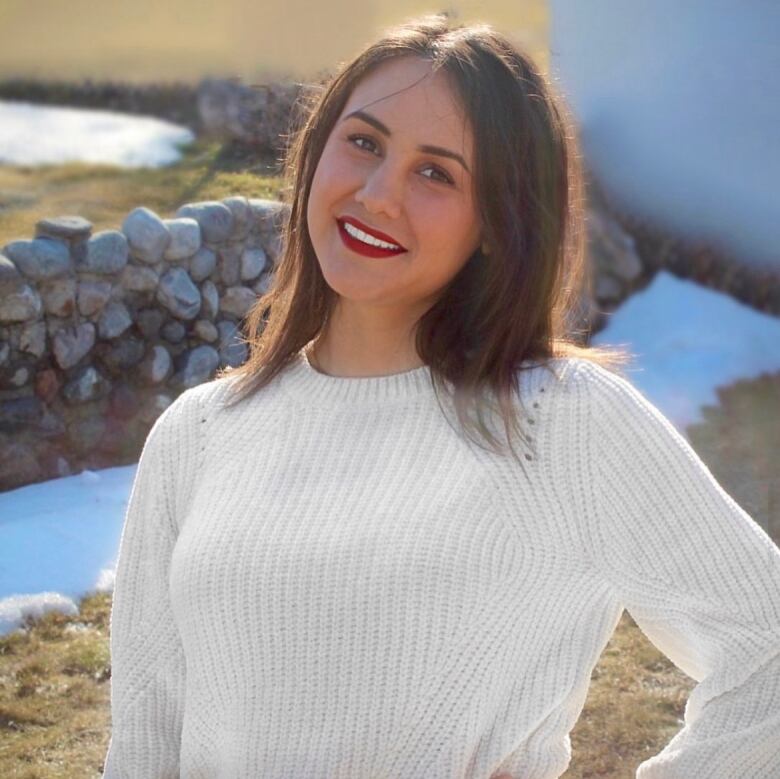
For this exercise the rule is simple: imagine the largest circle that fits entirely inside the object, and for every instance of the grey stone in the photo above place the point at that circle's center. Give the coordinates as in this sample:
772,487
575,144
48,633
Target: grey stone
10,278
140,278
33,339
124,400
210,307
185,238
173,331
273,245
215,219
147,234
153,407
5,351
106,253
51,424
114,320
612,248
20,414
92,296
257,115
230,265
20,376
233,350
149,322
18,465
71,344
253,263
263,284
178,294
157,365
206,331
242,216
123,354
202,265
237,301
199,365
59,296
68,228
41,258
85,433
268,216
21,305
88,384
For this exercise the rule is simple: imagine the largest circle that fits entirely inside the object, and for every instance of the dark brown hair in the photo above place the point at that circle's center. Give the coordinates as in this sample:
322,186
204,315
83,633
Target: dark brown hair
516,303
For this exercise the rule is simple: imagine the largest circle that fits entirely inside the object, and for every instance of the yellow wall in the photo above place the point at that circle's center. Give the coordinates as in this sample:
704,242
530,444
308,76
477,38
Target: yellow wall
139,40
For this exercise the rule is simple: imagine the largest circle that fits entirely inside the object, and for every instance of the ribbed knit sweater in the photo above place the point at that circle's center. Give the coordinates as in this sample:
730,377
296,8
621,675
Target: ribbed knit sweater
329,581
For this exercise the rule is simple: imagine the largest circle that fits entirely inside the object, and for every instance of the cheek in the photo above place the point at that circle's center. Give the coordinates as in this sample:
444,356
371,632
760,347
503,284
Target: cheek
332,173
448,229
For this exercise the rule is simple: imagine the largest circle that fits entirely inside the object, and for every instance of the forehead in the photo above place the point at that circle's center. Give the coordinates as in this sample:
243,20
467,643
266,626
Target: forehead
407,96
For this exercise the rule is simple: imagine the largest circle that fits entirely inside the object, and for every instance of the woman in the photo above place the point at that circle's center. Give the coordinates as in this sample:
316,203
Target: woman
323,574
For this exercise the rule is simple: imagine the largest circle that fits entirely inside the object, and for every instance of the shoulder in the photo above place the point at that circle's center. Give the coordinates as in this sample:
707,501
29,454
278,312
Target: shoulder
179,423
570,376
588,378
616,409
578,387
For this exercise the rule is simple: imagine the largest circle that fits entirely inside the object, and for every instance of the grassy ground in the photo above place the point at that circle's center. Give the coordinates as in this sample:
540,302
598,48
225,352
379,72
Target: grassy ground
105,194
55,700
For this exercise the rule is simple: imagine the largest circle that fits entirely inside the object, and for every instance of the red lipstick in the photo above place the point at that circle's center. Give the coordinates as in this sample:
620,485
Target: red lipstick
360,247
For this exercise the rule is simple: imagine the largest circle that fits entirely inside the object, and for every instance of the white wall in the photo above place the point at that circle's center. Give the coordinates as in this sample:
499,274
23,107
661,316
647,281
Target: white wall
679,109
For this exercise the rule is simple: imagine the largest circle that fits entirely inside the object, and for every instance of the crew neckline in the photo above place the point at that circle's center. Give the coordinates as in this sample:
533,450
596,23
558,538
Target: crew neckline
308,383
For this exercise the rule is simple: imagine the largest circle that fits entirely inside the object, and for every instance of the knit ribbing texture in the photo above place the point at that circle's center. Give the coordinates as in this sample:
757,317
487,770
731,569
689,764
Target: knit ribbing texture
328,581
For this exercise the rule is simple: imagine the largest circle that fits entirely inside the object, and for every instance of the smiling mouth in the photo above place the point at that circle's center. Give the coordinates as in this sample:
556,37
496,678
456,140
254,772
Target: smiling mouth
363,248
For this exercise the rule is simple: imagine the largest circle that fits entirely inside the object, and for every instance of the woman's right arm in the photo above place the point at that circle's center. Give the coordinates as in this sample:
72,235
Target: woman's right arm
147,660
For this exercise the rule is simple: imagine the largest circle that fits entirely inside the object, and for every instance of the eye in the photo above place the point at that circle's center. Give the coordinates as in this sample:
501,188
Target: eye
445,177
354,138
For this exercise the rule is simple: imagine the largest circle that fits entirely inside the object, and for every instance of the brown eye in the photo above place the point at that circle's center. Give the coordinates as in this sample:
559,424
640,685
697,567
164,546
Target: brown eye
445,176
354,138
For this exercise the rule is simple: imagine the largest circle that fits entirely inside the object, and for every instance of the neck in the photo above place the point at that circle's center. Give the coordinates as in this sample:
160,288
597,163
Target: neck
338,352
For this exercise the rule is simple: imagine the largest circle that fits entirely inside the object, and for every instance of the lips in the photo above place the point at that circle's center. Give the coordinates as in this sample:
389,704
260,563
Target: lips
370,230
360,247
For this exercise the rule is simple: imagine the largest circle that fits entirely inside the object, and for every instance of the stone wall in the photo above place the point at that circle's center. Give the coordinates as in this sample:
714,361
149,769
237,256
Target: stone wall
99,333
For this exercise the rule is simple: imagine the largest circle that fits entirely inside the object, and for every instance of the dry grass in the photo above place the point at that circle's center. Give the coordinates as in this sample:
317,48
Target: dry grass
55,694
55,700
105,194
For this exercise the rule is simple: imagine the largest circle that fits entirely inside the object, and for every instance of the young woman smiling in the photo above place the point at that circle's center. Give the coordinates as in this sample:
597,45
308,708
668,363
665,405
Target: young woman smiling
324,575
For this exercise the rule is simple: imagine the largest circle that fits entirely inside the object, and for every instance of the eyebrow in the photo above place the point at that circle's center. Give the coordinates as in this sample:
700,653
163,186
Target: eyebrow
440,151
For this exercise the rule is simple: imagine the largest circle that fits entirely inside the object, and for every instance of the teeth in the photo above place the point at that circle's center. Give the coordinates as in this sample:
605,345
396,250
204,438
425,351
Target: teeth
369,239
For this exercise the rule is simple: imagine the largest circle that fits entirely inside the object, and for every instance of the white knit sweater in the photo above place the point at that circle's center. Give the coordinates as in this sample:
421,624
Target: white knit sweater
327,581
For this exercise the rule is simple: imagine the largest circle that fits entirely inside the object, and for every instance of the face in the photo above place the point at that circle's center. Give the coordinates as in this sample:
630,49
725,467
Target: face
375,172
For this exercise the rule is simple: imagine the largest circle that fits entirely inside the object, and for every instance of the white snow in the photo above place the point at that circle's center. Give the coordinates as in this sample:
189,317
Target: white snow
50,135
688,340
59,539
677,112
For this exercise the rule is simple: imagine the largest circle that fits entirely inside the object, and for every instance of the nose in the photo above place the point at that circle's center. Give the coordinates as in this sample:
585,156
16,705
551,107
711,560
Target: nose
381,191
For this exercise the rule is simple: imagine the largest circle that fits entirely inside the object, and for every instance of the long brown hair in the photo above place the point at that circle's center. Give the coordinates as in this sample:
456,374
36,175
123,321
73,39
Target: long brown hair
516,303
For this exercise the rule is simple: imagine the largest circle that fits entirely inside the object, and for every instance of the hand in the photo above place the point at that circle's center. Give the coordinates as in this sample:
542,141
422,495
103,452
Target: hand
502,776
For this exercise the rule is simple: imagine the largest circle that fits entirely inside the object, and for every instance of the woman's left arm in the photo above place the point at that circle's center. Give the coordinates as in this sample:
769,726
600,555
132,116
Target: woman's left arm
699,576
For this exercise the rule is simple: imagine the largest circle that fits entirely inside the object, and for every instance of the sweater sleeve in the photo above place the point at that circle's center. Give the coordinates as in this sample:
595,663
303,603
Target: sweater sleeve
698,575
147,661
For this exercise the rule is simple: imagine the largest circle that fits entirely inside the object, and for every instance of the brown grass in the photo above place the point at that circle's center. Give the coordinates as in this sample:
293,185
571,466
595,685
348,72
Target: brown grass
105,194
